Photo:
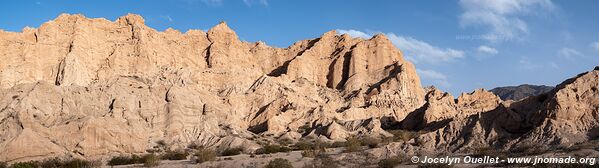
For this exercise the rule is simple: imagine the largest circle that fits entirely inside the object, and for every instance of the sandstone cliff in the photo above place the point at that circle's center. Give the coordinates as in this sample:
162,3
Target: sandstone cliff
94,88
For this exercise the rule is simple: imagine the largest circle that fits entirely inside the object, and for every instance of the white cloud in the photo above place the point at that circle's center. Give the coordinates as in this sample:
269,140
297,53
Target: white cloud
569,53
414,50
437,78
595,46
421,51
431,74
354,33
487,50
501,16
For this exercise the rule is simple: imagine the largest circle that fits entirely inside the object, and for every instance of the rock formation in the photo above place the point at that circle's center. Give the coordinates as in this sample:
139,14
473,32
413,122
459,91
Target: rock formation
94,88
520,92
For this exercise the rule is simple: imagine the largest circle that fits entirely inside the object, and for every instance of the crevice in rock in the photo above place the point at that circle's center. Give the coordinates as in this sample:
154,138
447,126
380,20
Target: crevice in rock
345,70
60,72
111,106
207,56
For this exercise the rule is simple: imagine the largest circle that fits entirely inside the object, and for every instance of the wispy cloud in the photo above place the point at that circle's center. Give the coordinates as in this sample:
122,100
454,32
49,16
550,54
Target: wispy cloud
354,33
437,78
415,50
569,53
212,2
483,49
503,17
418,50
595,46
526,63
250,2
167,17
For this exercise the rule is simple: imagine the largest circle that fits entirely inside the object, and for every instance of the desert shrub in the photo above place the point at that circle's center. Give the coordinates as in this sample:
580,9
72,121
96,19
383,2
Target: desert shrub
370,142
3,165
338,144
30,164
302,145
306,145
304,129
175,155
322,162
268,149
285,141
77,163
313,149
352,144
133,159
311,153
151,160
279,163
390,162
124,160
204,155
57,163
195,146
231,152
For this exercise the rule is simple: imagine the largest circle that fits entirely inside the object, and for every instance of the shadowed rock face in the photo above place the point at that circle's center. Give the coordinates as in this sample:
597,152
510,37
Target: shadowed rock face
95,88
520,92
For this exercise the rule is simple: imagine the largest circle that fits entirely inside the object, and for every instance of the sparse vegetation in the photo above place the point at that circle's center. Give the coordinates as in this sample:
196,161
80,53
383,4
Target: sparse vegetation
370,142
175,155
322,162
151,160
352,144
279,163
304,129
31,164
311,153
268,149
54,163
390,162
231,152
311,149
204,155
338,144
124,160
285,141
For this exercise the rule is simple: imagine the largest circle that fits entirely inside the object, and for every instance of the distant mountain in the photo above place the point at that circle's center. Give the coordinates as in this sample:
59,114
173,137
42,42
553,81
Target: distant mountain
519,92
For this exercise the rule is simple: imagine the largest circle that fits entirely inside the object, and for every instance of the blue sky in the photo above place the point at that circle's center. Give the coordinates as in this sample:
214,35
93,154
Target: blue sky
457,46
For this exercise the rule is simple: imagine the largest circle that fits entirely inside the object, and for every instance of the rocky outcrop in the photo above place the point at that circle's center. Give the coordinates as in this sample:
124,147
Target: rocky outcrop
520,92
93,88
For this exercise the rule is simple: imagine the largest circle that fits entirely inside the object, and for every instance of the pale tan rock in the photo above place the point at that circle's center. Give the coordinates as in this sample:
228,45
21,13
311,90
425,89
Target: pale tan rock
94,88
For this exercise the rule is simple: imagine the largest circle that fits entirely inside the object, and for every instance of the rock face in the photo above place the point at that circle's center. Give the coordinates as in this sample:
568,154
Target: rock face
520,92
93,88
